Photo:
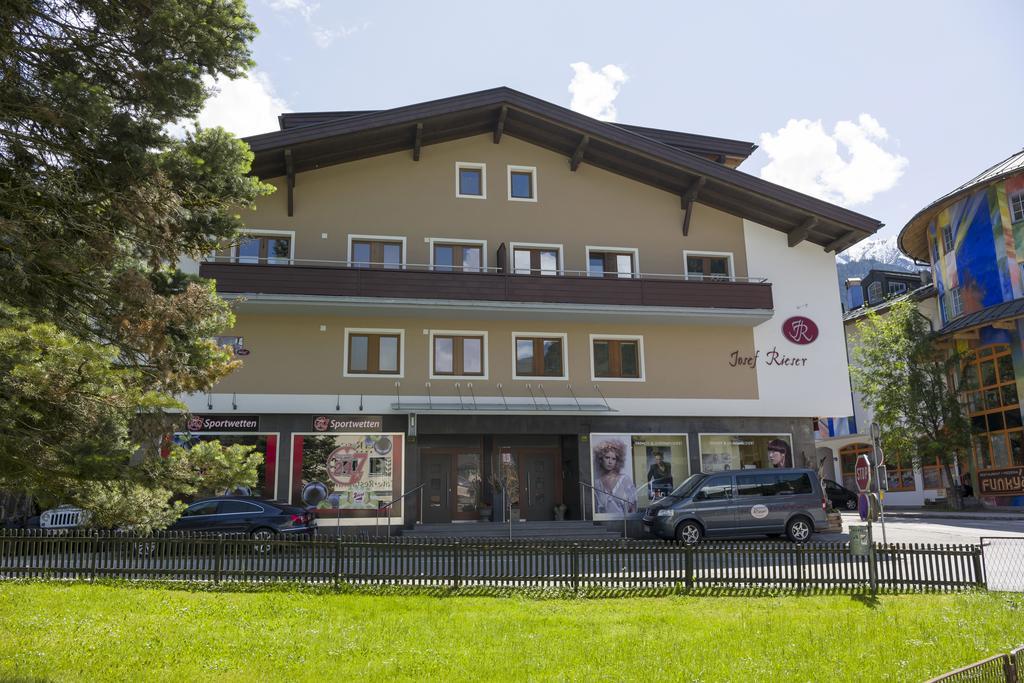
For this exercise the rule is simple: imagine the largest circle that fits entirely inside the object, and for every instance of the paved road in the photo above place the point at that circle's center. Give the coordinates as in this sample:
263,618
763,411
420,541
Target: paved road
935,530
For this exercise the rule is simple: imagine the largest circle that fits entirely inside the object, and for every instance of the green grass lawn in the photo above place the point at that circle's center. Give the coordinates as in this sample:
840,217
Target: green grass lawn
51,631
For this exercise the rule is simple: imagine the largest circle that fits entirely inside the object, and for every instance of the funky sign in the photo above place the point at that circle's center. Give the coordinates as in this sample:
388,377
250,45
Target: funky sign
348,423
1008,481
800,330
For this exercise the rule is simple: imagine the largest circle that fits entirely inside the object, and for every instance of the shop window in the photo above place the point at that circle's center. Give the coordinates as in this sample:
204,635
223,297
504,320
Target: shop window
522,184
376,253
470,180
848,462
617,358
719,452
539,356
900,477
458,355
989,392
638,468
452,256
709,266
536,259
1017,206
610,263
373,352
264,249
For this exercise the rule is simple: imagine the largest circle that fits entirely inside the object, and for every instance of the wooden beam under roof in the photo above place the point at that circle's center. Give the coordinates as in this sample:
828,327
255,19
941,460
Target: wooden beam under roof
800,233
500,127
687,202
839,241
577,156
289,170
417,142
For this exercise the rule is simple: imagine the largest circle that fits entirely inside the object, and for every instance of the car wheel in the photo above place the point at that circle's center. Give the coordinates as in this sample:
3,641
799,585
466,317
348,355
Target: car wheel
799,529
263,534
689,533
851,504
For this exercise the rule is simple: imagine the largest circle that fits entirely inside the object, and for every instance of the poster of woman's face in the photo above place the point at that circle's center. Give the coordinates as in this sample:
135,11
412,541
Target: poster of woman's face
614,491
779,454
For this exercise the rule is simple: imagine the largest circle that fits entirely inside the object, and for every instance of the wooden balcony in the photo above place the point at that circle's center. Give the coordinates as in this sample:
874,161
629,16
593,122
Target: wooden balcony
410,284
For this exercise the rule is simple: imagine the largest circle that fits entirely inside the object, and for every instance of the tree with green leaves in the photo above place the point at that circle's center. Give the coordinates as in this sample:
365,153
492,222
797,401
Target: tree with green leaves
99,330
904,378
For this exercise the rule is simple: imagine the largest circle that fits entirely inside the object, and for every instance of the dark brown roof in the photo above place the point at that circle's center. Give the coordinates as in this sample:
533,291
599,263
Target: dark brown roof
616,148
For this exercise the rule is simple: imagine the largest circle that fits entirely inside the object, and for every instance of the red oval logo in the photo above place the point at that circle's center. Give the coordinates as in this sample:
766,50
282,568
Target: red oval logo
800,330
195,423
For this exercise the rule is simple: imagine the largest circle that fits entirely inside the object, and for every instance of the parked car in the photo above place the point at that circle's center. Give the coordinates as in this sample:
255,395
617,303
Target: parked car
754,502
259,518
841,497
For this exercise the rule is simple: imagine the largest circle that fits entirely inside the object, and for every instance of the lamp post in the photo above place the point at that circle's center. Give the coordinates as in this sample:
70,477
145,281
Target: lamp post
878,457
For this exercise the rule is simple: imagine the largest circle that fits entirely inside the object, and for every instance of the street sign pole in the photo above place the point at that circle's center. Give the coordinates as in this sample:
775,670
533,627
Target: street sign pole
879,458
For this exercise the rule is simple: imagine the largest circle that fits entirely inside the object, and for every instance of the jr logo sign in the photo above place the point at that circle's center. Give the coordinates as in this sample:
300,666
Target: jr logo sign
800,330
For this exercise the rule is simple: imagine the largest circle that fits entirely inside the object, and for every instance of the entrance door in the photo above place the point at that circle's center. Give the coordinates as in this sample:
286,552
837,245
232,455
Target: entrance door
437,492
538,492
453,483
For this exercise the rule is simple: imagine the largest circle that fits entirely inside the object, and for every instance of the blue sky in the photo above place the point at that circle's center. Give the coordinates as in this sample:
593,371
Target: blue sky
940,83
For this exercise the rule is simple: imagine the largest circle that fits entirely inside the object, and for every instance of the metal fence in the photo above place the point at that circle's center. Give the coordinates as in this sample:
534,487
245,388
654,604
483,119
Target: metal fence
1005,668
1004,562
487,562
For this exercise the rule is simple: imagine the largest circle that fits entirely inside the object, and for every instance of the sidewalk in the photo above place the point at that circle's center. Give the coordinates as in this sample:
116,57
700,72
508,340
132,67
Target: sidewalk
917,513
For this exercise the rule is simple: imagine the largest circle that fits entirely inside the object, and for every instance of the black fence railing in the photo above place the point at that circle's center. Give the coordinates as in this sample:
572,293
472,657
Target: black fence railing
487,562
1004,668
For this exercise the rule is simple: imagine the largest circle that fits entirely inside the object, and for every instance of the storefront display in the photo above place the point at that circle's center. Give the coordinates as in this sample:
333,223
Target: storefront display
347,476
719,452
262,443
631,470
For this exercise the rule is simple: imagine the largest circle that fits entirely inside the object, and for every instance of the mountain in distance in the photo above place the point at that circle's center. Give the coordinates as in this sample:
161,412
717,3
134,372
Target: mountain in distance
876,252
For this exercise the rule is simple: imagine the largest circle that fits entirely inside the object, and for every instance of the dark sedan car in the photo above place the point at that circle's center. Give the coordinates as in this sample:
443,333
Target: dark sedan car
259,518
841,497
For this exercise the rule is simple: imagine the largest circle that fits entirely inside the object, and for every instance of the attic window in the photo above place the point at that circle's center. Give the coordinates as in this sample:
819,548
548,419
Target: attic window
1017,206
947,239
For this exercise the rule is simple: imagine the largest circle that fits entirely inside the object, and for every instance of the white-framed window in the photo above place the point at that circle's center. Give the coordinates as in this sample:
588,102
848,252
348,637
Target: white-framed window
613,262
376,251
374,352
956,304
470,180
458,354
708,265
617,358
268,247
540,356
536,259
897,288
522,183
874,292
1016,201
947,239
457,255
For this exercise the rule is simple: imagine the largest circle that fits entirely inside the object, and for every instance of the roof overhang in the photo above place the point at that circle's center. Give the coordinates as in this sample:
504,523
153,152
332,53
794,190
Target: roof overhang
614,148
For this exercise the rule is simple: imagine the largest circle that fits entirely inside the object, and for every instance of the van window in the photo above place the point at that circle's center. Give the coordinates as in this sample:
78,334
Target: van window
756,484
715,489
791,484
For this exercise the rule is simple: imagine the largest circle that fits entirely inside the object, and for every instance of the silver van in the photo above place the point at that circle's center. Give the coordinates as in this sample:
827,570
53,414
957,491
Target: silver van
752,502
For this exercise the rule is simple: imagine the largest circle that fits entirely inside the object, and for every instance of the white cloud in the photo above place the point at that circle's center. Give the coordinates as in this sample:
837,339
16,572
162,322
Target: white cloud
245,106
303,7
323,37
802,156
594,92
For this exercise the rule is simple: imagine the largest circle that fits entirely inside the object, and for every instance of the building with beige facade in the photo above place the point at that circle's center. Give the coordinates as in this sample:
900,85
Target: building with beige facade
495,299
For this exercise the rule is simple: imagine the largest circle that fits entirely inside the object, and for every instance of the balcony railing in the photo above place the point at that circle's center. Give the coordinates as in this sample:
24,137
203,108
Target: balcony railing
418,281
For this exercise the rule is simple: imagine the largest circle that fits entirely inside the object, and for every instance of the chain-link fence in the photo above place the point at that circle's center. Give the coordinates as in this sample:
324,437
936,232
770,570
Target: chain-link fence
1004,562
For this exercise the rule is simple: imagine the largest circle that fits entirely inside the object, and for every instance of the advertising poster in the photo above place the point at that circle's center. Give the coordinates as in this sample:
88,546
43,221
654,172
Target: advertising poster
720,452
614,487
660,464
347,476
263,443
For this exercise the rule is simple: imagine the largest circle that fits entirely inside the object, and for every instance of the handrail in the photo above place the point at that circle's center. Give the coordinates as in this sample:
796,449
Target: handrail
625,529
391,504
482,270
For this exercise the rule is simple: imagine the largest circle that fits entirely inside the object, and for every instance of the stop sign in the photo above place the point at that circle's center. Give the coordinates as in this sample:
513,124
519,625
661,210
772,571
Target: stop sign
862,473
